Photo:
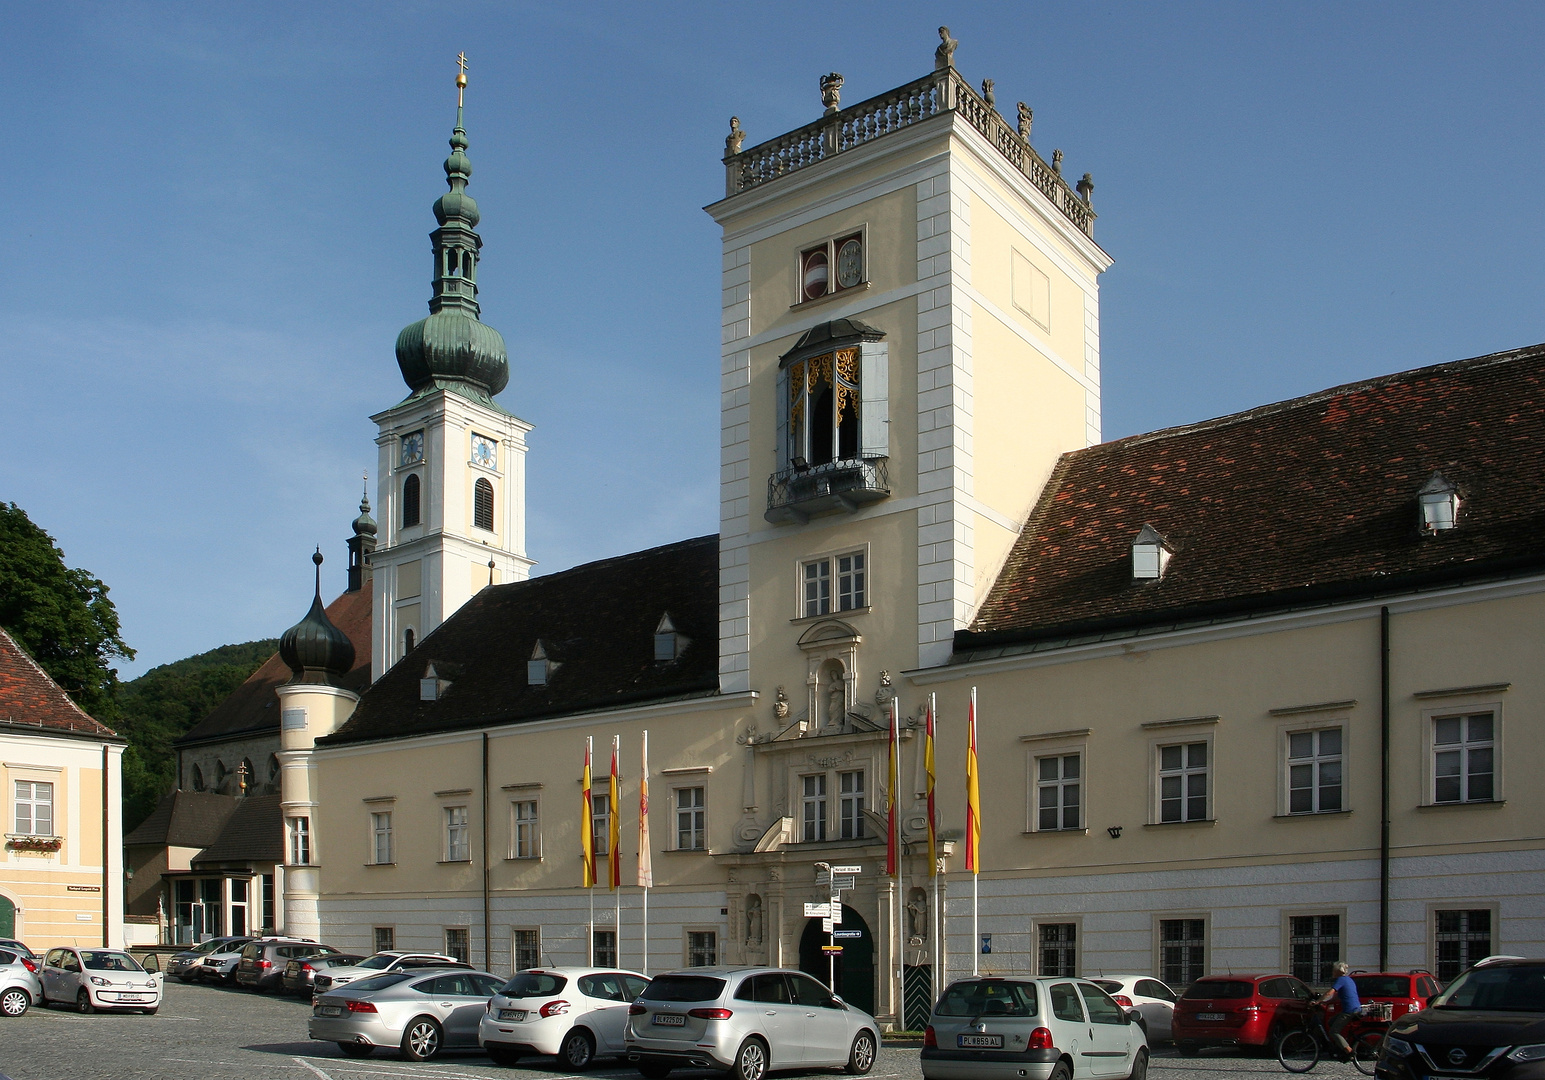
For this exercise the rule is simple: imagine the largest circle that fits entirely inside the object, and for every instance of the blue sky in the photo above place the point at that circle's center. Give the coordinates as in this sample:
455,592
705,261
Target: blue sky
215,217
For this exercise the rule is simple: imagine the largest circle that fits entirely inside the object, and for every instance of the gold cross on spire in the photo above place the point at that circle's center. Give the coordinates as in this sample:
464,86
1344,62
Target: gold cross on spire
461,76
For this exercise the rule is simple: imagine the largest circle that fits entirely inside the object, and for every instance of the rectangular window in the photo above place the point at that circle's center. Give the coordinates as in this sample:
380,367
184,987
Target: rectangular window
458,944
850,804
268,903
381,837
1182,950
34,808
1058,948
813,807
385,938
601,823
1461,938
1059,797
852,588
689,819
527,949
300,841
525,829
702,948
818,587
1314,944
1314,771
851,592
1183,776
1463,758
604,949
458,837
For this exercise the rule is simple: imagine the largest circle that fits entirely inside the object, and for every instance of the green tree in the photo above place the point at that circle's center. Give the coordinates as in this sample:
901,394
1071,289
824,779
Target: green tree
61,616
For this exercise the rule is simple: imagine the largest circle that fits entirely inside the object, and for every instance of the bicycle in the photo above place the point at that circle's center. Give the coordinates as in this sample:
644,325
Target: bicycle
1300,1050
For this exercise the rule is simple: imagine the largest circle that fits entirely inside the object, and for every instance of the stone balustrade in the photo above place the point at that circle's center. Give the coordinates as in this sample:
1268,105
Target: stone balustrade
935,93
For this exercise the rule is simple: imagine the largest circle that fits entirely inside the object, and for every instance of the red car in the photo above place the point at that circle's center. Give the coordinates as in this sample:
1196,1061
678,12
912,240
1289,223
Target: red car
1407,991
1239,1010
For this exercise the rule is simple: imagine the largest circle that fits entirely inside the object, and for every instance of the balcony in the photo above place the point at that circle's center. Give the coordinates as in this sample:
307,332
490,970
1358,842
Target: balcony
797,494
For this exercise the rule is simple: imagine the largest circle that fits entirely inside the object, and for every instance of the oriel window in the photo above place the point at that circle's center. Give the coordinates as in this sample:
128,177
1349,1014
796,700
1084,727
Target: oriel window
823,408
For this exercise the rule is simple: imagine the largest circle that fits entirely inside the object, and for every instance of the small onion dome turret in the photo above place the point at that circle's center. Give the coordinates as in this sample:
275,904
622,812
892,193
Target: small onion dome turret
364,525
314,649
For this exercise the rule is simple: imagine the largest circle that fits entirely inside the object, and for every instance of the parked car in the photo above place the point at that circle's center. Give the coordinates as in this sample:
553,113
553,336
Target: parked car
381,962
19,982
1038,1027
1153,1000
421,1011
262,962
1406,991
1240,1010
299,975
747,1021
575,1013
220,965
1488,1024
185,966
18,947
93,979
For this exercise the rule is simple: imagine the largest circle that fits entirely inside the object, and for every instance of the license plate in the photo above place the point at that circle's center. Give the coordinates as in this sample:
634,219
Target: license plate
670,1020
329,1010
133,997
1209,1016
985,1042
512,1014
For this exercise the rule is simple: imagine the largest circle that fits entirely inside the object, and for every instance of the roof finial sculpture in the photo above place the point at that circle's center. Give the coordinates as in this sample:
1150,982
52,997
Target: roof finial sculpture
831,92
1026,118
987,94
1086,189
944,55
461,83
733,140
1056,162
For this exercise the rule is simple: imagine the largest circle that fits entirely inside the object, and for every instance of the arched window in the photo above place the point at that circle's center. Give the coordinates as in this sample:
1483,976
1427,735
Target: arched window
273,767
410,500
198,778
483,504
407,640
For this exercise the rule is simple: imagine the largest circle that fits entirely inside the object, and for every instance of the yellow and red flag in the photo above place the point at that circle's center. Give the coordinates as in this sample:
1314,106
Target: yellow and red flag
645,865
587,824
891,861
614,823
933,819
973,794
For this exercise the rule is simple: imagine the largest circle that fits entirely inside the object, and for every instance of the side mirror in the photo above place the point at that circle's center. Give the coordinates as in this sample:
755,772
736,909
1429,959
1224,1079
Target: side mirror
1129,1016
152,963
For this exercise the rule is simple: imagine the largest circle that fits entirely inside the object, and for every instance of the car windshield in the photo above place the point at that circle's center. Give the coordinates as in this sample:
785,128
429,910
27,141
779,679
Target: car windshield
530,984
375,963
988,997
683,988
1206,989
1377,986
1501,989
96,960
207,947
379,982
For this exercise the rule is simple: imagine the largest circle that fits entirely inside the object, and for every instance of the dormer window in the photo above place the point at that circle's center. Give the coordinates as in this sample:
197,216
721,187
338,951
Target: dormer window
1439,502
1150,554
539,668
432,687
668,643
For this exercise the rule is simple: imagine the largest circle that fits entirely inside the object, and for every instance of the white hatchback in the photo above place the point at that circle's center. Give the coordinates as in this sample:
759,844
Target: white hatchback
1153,1000
92,979
1039,1028
575,1013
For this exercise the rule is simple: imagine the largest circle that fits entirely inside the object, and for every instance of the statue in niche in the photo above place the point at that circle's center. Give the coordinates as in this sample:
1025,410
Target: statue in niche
753,919
1026,118
733,140
836,701
944,55
781,705
917,917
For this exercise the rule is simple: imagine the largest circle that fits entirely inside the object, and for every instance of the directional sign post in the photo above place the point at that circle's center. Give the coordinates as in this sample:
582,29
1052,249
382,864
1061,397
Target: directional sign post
840,879
847,870
847,935
818,911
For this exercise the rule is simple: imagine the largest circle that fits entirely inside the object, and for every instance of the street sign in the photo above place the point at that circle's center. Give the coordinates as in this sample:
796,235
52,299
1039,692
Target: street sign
842,935
831,948
827,926
836,915
986,943
841,883
818,911
847,870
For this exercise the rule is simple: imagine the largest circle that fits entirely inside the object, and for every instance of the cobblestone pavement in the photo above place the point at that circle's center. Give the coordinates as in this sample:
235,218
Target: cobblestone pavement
206,1033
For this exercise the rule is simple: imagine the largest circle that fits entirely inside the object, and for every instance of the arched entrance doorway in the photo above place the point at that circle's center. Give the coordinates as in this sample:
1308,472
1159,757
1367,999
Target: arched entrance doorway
855,967
7,917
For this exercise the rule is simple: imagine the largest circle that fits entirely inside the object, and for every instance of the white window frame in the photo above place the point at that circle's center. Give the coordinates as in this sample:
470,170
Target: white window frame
1077,922
1157,772
818,799
851,805
1037,785
1057,744
531,826
832,559
601,820
1494,945
32,802
1289,914
1285,763
457,833
695,815
300,840
377,833
1462,708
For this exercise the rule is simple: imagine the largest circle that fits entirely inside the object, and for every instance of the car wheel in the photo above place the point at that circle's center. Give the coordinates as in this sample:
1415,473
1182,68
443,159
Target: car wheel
14,1002
751,1061
503,1057
355,1049
149,1012
422,1039
654,1070
83,1002
577,1050
1139,1066
861,1057
1061,1072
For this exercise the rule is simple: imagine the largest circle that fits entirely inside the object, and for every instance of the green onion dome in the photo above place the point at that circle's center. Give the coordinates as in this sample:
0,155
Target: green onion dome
314,649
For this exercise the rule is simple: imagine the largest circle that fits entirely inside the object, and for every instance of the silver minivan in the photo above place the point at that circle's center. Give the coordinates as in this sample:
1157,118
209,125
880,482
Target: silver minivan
747,1021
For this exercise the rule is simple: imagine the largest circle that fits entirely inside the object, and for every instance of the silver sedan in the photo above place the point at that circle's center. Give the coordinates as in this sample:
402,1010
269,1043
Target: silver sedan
422,1012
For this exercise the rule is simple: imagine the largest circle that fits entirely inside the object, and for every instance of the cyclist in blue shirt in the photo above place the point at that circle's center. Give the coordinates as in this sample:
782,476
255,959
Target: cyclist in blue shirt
1344,991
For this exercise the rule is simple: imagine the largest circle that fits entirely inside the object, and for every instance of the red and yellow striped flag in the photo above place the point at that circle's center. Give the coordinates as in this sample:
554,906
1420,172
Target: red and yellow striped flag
614,831
587,825
933,818
973,794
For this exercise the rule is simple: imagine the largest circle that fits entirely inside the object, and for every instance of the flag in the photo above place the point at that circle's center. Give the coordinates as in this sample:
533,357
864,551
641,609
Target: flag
645,866
933,820
587,825
973,794
891,780
614,823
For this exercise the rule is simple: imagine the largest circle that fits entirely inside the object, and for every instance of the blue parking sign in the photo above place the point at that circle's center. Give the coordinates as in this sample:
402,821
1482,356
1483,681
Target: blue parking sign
986,943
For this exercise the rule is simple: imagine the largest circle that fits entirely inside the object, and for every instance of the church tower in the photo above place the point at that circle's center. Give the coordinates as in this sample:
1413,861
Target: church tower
910,340
451,488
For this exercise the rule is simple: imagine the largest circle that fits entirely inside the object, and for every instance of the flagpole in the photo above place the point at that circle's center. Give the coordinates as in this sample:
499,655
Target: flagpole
587,824
893,782
936,917
614,844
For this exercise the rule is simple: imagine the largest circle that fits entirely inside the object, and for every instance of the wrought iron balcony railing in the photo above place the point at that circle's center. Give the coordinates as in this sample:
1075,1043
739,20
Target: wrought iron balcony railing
798,494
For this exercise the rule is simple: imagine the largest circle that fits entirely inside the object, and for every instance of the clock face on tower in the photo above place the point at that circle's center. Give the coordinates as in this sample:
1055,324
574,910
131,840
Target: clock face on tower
483,452
413,448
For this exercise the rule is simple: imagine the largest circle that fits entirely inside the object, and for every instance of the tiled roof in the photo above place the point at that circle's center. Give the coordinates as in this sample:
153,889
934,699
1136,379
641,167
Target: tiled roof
1299,502
254,833
185,819
30,699
253,707
596,622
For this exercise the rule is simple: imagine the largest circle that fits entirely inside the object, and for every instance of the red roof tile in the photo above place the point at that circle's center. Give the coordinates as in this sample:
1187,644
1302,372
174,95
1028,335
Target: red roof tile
30,699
